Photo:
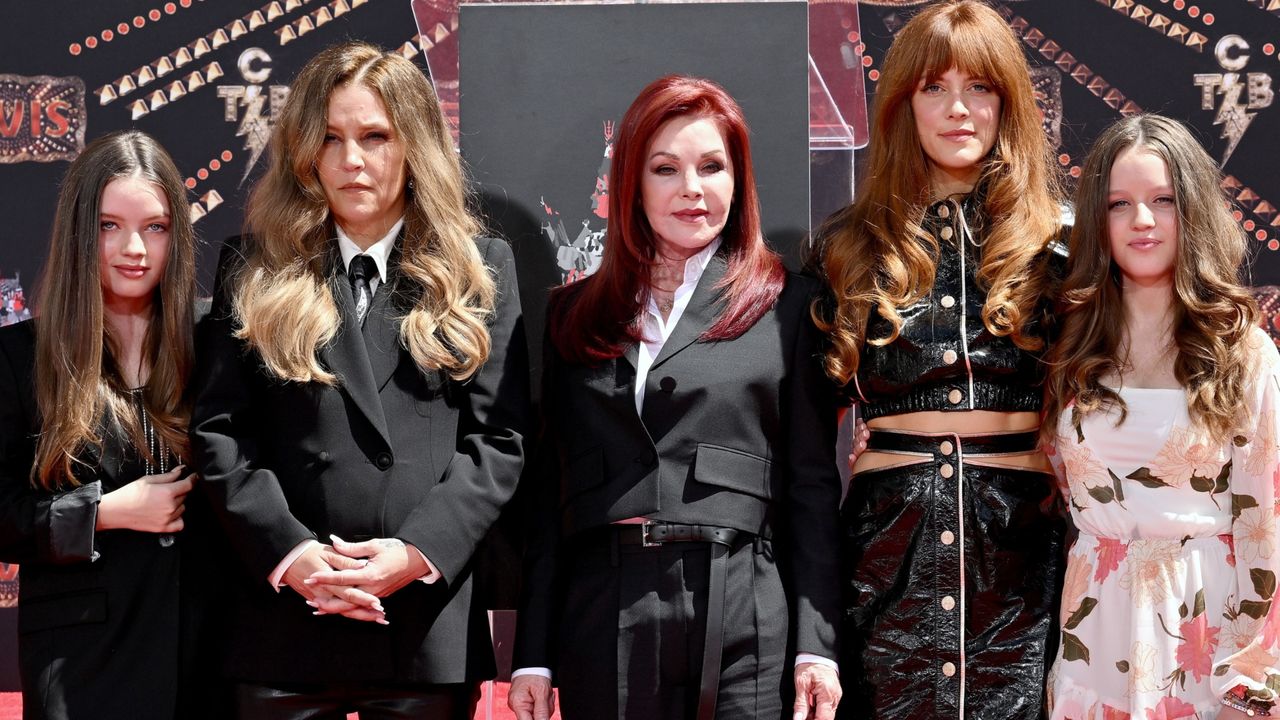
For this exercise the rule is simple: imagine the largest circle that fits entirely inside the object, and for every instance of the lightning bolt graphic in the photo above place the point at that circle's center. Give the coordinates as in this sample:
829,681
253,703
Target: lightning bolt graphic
255,128
1232,115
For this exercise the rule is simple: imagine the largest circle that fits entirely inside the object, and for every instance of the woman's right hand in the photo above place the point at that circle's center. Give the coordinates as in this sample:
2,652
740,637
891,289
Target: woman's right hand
531,698
861,434
152,503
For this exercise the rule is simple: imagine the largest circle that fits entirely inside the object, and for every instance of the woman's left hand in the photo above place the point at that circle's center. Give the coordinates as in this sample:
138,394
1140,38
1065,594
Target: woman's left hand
391,565
817,692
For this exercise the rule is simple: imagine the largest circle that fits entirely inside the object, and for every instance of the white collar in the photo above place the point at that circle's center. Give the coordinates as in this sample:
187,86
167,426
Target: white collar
379,251
695,265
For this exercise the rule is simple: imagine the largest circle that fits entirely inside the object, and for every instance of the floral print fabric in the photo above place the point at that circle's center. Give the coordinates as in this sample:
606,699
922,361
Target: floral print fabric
1170,591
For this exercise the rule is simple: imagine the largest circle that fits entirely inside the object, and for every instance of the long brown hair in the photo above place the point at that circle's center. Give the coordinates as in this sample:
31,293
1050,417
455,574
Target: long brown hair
875,253
281,299
1213,313
78,384
596,318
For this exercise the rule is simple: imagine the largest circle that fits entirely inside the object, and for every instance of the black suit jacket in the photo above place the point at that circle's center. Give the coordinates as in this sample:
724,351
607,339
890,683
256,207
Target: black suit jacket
391,451
110,623
737,433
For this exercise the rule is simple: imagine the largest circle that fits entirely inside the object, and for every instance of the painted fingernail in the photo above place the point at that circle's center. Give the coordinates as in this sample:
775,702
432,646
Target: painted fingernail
378,606
309,581
335,538
313,604
382,621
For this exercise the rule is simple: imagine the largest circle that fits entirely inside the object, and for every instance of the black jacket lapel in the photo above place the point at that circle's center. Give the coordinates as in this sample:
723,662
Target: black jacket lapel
632,355
699,314
347,357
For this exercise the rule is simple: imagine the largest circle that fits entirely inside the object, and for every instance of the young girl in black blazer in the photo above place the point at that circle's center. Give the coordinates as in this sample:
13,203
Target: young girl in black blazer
93,443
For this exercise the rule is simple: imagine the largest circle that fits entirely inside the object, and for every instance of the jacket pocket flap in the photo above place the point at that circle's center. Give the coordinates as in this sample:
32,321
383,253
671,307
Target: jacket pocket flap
36,614
732,469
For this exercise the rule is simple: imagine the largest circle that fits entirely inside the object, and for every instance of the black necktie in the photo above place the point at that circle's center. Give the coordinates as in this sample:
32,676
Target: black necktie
361,271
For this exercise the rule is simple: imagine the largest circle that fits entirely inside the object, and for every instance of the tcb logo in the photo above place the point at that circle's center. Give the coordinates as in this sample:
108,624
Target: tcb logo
260,103
1241,92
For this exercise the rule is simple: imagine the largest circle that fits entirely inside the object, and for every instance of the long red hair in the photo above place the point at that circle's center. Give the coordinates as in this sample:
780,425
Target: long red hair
597,318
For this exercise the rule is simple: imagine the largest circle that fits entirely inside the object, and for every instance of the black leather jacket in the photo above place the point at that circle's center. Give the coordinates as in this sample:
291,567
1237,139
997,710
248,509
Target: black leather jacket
944,357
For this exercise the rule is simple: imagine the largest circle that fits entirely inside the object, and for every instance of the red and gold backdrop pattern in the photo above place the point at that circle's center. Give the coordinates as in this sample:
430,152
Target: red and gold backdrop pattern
207,76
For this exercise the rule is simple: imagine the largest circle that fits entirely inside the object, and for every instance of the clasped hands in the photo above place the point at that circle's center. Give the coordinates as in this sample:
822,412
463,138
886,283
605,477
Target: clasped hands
350,579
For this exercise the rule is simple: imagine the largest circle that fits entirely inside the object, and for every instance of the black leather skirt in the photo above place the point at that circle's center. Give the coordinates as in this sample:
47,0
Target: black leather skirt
952,578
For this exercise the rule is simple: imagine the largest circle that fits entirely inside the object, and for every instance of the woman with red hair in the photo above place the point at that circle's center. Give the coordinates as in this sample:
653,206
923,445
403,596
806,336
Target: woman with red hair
688,443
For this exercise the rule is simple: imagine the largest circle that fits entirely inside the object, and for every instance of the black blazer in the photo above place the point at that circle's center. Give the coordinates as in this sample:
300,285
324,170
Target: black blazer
391,451
738,433
110,623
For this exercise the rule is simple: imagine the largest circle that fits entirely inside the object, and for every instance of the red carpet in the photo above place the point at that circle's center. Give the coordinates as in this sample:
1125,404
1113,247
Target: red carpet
11,705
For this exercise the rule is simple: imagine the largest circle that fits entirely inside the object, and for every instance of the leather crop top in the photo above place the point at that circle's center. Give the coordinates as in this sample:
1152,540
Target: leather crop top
944,357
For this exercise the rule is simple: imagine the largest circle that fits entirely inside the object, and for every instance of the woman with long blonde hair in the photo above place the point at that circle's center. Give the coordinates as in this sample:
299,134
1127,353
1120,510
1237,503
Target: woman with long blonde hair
360,405
937,272
93,445
1162,400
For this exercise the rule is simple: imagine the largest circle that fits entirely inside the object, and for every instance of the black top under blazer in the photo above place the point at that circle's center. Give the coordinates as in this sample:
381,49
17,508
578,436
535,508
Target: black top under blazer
391,451
109,622
737,433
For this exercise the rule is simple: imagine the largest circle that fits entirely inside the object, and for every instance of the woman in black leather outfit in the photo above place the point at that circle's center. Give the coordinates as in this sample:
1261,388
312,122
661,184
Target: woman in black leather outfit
952,526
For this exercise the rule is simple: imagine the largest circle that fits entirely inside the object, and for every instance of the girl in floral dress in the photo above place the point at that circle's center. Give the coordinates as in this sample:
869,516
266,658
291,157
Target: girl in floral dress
1162,406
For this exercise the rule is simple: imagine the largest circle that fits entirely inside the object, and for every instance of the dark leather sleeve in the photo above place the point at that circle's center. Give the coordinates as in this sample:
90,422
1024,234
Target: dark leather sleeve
813,497
35,525
455,514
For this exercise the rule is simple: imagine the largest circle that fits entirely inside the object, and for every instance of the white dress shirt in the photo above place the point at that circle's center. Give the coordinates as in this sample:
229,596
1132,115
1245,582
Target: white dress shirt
379,251
657,330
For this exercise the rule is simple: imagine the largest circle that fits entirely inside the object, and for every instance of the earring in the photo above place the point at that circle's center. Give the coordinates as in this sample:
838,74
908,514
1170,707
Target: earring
410,183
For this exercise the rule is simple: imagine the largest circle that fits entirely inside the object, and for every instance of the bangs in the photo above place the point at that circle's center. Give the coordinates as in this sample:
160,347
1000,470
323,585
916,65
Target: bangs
969,45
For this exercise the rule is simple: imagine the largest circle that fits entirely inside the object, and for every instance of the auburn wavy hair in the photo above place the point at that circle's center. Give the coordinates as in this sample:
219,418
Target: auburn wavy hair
874,252
282,303
596,318
77,381
1213,313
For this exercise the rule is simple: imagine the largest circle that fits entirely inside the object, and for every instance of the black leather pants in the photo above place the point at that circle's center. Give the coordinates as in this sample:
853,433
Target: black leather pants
952,577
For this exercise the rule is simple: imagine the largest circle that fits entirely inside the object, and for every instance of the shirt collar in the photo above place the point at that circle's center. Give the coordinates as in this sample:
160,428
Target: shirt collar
379,251
696,264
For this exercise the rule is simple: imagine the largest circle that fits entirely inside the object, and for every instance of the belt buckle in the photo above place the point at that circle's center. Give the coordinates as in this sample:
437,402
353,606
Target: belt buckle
646,539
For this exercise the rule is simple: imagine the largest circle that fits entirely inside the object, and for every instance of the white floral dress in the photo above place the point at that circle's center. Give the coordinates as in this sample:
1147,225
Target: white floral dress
1168,599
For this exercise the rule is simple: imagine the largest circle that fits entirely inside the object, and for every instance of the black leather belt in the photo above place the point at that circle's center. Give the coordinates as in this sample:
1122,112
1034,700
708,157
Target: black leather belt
721,539
916,442
655,534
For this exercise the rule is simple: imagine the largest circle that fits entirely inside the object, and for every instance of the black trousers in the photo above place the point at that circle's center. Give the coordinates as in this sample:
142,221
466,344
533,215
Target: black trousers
334,702
634,623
